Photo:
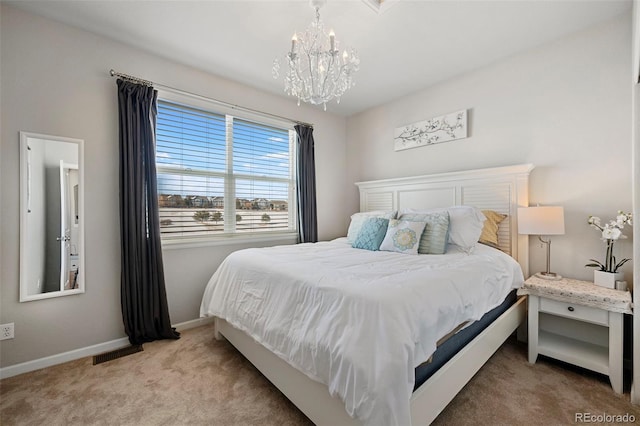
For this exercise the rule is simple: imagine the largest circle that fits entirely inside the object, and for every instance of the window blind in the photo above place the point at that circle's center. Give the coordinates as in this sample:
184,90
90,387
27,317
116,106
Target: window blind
222,175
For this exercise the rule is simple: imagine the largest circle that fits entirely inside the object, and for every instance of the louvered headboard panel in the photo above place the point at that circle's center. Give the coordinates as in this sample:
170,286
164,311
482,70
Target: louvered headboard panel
502,189
495,197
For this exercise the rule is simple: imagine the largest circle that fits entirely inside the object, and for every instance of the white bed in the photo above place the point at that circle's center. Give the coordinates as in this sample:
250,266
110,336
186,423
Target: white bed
360,321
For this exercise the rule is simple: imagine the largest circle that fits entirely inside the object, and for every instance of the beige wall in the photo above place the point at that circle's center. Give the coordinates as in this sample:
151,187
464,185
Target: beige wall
55,81
564,106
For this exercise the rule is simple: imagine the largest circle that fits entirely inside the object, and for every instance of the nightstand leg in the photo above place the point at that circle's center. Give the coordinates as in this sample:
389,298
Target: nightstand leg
615,350
532,320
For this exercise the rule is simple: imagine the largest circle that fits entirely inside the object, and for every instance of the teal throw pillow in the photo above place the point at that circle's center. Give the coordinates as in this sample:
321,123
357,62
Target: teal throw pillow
371,233
435,235
357,219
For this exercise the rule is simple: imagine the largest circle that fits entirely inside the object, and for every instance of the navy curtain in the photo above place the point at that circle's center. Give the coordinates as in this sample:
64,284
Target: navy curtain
307,210
145,311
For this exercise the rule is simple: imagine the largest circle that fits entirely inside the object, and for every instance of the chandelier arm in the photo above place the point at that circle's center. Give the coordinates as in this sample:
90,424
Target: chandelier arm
311,75
301,80
298,74
326,77
342,68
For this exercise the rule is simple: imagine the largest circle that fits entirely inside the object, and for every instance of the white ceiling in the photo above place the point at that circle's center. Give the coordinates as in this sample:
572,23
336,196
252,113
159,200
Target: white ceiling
409,46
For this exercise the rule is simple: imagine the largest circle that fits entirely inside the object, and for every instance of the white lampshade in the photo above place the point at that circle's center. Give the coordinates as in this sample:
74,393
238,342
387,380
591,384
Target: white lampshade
547,220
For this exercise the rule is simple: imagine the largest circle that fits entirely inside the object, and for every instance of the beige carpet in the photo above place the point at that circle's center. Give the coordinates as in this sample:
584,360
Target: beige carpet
199,381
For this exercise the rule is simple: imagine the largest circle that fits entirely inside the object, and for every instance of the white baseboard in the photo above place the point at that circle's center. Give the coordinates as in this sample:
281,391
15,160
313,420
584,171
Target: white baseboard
37,364
194,323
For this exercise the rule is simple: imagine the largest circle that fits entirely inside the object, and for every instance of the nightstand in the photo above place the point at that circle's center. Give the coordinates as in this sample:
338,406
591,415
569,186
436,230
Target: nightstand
577,322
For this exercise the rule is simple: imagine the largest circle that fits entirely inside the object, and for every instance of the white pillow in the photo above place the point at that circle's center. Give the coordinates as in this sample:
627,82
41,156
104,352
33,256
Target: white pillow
403,236
357,219
465,224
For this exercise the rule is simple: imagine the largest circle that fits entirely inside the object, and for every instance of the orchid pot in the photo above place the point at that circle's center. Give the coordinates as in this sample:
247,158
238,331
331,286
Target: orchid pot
607,272
607,279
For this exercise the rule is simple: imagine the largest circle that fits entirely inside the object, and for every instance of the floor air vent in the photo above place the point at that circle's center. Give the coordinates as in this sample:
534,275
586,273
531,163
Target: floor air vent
118,353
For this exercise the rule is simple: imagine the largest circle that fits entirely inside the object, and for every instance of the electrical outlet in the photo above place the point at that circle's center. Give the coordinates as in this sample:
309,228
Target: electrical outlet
6,331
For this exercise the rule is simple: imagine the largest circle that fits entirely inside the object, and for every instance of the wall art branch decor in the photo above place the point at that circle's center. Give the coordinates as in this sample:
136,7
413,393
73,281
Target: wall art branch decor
440,129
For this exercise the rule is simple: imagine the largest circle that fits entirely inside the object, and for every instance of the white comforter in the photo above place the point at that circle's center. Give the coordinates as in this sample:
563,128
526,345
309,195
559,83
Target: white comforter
355,320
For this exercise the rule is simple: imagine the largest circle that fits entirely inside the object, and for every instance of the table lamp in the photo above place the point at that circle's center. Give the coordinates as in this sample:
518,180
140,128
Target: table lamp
542,220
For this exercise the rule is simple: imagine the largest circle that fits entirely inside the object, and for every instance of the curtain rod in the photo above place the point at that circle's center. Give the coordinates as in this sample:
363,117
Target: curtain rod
114,73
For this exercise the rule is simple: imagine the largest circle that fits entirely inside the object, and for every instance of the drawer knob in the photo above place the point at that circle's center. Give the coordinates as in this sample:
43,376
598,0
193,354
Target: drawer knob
571,309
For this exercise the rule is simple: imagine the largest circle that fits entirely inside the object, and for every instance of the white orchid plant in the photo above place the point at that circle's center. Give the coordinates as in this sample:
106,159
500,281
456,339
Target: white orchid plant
611,232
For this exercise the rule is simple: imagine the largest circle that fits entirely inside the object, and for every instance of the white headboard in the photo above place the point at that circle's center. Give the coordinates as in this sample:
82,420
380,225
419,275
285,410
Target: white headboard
502,189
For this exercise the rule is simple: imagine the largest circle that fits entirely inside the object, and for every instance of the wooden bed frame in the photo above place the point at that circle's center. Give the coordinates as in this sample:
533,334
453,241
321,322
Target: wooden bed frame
502,189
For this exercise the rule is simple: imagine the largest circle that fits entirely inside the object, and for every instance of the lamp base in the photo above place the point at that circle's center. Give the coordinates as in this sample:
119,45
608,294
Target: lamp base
548,276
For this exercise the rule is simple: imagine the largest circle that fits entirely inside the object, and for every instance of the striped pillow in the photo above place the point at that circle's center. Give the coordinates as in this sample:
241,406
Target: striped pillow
436,233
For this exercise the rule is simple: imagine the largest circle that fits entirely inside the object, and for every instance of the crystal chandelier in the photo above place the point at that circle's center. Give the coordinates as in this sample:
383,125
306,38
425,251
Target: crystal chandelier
317,70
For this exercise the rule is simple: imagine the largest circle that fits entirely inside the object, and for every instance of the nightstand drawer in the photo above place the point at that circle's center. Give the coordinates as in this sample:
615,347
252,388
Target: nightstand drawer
571,310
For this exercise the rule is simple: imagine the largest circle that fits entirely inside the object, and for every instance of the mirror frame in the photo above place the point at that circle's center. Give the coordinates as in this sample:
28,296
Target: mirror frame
24,188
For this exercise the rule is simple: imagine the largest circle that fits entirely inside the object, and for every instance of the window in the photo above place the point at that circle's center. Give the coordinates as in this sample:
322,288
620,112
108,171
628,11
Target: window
221,175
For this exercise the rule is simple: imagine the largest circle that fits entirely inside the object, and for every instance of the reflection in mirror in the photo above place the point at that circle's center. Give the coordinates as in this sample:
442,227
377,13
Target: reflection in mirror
51,217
